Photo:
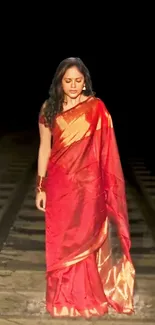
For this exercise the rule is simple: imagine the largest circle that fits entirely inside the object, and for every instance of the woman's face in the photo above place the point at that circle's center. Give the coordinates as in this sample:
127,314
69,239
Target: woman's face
73,82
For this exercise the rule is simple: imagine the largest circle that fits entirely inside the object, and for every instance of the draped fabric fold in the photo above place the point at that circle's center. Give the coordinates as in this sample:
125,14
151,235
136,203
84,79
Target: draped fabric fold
89,267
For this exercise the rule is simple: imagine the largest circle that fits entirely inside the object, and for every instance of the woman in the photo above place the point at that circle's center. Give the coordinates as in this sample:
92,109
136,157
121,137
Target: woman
81,189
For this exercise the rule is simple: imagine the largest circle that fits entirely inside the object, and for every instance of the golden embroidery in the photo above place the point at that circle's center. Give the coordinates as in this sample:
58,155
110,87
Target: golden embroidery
72,312
73,131
110,123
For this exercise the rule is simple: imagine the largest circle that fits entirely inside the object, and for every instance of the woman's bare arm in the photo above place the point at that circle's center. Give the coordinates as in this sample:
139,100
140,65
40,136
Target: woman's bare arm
44,149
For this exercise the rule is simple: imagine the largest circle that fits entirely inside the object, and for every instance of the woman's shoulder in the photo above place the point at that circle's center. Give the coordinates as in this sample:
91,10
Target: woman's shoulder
100,103
102,109
42,117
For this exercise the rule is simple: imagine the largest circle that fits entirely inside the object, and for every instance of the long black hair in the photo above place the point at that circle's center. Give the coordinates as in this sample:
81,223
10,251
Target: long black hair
54,104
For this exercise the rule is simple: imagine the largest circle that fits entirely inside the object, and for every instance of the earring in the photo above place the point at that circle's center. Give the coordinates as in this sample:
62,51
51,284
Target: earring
84,87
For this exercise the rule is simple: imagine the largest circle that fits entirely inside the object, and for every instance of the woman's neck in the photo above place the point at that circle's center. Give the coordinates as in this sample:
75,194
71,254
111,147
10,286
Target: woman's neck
68,101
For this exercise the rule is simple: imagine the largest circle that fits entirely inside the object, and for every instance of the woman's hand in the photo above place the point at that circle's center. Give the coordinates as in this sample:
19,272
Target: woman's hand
41,201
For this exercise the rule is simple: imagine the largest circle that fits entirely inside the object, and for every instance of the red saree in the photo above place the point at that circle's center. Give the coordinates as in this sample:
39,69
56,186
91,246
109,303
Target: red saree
88,261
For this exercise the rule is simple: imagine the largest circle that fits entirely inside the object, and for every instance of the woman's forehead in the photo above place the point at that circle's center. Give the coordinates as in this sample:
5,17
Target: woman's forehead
73,72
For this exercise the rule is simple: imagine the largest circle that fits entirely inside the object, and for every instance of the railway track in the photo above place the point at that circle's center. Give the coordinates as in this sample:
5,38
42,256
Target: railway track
22,264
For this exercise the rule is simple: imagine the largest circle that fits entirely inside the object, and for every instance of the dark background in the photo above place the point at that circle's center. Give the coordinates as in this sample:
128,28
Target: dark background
122,72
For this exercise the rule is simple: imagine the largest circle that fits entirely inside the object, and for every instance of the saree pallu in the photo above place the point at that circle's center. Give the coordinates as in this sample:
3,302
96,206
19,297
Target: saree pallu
88,262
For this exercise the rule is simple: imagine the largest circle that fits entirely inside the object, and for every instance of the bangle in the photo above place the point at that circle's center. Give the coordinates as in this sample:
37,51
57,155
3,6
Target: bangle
40,184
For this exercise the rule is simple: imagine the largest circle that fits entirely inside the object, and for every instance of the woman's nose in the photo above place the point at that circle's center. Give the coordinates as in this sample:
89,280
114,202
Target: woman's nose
73,84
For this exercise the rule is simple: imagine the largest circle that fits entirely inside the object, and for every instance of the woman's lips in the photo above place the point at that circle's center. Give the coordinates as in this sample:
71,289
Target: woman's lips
73,91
